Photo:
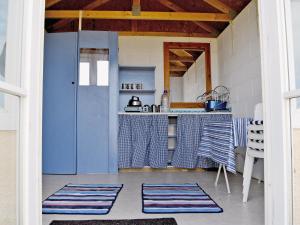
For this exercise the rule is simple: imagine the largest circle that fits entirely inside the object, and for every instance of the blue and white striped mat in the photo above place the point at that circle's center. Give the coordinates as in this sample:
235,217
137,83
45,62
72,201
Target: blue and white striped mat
83,199
177,198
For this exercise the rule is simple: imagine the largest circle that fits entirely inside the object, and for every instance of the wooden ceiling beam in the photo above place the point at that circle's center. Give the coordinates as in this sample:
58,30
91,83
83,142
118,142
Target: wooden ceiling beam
217,4
202,25
174,58
178,68
136,7
181,53
164,34
127,15
50,3
93,5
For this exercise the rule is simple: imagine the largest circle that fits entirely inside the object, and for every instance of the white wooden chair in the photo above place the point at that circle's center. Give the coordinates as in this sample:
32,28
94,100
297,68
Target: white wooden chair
255,149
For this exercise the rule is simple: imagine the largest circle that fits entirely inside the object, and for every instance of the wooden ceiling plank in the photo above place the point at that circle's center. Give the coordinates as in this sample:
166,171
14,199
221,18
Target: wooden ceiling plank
127,15
165,34
134,26
176,8
93,5
178,68
181,53
181,59
217,4
50,3
136,7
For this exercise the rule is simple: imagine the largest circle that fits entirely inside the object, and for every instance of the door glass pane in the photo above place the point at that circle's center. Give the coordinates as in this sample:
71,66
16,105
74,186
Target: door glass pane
9,139
94,67
295,115
3,28
295,9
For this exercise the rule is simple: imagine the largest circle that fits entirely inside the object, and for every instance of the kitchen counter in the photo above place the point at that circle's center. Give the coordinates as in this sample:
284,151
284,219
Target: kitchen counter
174,113
161,139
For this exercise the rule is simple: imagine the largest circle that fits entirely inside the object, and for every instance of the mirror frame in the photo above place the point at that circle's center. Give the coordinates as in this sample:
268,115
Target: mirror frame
184,45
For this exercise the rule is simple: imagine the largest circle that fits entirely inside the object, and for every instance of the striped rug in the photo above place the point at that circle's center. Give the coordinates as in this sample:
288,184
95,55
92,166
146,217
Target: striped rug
177,198
83,199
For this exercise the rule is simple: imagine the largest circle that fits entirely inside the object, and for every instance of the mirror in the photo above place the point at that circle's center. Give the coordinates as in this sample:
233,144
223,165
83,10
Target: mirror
187,73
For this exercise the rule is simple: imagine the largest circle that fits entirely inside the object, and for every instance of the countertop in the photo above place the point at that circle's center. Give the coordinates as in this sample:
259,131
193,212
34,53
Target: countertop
174,114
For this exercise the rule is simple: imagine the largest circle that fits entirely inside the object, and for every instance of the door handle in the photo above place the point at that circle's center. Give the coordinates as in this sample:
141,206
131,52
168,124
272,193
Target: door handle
73,82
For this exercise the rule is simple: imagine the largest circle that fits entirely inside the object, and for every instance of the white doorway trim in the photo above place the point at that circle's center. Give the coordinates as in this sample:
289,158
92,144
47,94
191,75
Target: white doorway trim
276,112
30,211
275,70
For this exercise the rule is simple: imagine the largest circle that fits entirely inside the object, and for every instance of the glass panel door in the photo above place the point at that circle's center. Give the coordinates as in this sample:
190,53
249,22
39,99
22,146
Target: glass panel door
10,56
293,27
9,139
295,56
295,121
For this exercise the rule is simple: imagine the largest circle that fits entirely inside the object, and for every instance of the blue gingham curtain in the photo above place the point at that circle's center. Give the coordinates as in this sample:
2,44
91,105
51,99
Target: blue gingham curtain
143,140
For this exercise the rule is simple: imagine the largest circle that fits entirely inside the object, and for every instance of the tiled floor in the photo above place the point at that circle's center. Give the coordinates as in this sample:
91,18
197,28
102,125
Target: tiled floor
128,204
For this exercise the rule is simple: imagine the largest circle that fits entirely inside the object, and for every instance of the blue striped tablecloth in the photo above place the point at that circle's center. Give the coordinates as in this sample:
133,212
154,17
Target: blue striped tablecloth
220,138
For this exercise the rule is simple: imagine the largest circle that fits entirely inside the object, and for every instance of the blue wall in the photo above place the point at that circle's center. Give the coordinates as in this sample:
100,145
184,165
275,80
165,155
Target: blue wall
145,75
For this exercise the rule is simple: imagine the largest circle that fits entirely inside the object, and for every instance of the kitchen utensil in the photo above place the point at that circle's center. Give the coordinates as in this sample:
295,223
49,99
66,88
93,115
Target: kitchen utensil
158,108
135,101
146,108
153,108
213,105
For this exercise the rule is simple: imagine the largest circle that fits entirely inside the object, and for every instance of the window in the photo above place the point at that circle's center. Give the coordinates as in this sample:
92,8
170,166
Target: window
94,67
84,78
3,26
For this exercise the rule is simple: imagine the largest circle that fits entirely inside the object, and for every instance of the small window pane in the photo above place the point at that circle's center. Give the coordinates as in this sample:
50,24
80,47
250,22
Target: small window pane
296,44
84,74
3,28
94,67
295,116
102,73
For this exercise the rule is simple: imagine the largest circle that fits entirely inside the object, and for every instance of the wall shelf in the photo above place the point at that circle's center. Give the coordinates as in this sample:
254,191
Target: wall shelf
136,75
137,91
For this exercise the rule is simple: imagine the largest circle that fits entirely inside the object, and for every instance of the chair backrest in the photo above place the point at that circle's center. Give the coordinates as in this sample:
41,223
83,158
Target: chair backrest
255,131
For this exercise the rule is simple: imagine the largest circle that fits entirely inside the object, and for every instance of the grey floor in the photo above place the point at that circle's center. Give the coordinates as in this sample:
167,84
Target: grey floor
128,204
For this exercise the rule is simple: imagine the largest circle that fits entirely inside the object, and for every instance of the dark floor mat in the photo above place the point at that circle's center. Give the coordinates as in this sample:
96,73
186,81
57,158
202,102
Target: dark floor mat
165,221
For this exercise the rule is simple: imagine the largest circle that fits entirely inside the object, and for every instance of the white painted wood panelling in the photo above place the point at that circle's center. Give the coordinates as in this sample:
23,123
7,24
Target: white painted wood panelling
239,61
194,83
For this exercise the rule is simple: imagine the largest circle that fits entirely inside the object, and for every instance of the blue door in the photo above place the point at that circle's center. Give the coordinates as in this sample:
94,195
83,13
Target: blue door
59,103
97,102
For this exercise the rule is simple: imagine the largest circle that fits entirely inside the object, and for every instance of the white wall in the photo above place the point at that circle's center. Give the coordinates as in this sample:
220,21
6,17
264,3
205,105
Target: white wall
239,61
148,51
176,89
194,83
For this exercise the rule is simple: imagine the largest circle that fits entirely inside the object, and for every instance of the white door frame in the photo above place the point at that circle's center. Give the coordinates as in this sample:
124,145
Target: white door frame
24,60
277,72
276,112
